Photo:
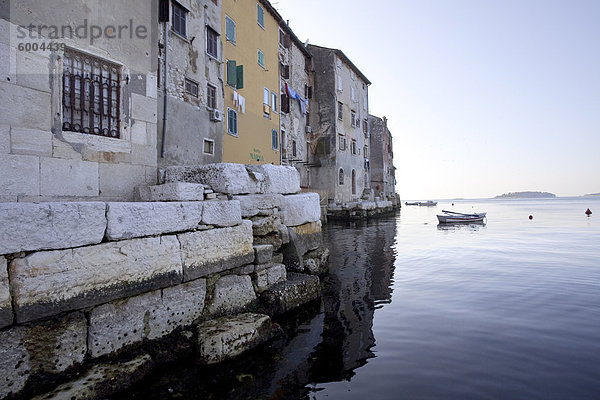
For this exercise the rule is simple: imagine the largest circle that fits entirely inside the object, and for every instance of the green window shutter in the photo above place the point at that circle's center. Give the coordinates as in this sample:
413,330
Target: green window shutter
231,73
261,16
240,76
230,29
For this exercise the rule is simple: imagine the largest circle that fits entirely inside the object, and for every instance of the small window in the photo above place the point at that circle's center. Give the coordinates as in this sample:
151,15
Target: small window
266,96
342,142
353,147
353,118
274,101
229,29
191,87
352,75
339,63
211,96
209,147
232,122
341,176
212,42
366,151
282,37
179,15
340,87
340,111
235,74
366,127
293,148
274,139
261,58
285,103
260,16
353,94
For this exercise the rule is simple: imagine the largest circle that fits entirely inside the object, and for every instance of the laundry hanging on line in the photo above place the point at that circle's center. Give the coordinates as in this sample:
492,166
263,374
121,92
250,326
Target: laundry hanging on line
293,95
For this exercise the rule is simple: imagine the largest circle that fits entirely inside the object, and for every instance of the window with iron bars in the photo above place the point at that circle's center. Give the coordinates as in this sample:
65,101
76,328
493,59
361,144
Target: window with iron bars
91,95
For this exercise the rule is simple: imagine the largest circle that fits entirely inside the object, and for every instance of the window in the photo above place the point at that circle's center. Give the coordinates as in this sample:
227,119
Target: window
352,75
353,94
209,147
212,42
235,74
260,16
341,176
339,63
230,29
293,148
284,39
191,87
91,95
366,151
232,122
211,96
179,14
340,110
285,103
285,70
353,147
342,142
366,127
339,83
266,96
274,139
353,118
261,58
274,101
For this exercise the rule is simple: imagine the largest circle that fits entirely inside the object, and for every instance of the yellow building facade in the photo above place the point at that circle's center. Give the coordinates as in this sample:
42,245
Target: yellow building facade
251,60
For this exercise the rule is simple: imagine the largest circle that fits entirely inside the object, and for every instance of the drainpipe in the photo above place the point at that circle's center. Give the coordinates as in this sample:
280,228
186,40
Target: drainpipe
164,126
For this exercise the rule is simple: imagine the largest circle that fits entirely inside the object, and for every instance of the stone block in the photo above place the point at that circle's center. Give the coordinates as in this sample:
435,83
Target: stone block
60,177
151,85
51,346
173,191
4,139
139,133
103,380
6,314
119,180
31,141
265,225
24,107
44,226
215,250
232,294
307,236
130,220
227,337
64,149
383,203
283,233
285,296
33,71
20,175
277,258
95,275
251,204
143,108
300,208
278,178
226,178
367,205
267,277
262,253
222,213
272,238
143,155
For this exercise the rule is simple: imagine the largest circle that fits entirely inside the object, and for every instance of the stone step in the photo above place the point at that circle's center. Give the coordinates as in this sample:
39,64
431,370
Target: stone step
230,336
171,191
284,296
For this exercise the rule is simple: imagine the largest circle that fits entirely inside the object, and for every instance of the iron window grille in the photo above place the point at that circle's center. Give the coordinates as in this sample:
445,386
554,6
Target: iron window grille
91,95
191,87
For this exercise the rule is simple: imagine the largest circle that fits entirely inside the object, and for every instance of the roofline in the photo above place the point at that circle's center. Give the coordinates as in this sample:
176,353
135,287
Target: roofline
285,26
346,60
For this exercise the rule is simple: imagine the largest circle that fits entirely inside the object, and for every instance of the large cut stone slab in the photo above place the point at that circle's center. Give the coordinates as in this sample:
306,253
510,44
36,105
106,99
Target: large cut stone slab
226,178
227,337
300,208
49,282
30,227
172,191
150,315
47,347
232,294
130,220
6,314
222,213
262,253
252,203
103,380
284,296
216,250
278,178
264,225
266,277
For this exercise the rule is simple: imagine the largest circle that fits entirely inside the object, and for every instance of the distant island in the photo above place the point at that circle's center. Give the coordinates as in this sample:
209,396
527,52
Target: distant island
592,194
526,195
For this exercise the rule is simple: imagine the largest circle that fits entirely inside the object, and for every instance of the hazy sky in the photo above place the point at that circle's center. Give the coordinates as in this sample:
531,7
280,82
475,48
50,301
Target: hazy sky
483,97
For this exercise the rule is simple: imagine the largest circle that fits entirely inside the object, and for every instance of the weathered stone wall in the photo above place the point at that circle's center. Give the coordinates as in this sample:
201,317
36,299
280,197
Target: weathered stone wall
84,280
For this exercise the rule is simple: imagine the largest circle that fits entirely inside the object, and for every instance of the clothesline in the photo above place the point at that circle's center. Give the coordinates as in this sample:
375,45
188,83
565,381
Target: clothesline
293,95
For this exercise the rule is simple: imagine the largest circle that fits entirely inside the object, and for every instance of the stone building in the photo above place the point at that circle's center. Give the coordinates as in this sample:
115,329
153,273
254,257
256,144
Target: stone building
194,122
251,59
296,89
339,121
383,178
78,113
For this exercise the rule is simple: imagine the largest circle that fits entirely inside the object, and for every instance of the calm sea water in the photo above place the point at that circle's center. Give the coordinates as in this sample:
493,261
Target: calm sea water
509,309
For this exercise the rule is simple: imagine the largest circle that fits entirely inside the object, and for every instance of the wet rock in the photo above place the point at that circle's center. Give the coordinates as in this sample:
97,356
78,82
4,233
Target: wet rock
284,296
303,238
266,277
102,380
6,314
172,191
262,253
228,337
316,262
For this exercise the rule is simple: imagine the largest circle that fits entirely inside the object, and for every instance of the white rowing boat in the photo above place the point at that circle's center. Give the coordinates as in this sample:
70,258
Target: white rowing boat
451,217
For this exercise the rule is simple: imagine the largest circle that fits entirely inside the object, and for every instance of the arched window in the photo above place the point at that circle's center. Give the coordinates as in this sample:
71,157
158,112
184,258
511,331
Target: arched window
341,176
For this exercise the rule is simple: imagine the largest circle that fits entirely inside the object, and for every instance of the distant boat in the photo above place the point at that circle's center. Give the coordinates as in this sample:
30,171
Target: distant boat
428,203
414,203
451,217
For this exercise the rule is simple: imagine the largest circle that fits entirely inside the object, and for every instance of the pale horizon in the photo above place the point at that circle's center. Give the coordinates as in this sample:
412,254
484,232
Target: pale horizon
482,97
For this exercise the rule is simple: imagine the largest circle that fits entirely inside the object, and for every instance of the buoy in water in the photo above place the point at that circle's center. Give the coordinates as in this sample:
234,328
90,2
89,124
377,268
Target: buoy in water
531,217
588,212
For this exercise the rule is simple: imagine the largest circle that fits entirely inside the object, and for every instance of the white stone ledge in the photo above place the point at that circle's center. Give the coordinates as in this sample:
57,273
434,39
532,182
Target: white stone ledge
298,209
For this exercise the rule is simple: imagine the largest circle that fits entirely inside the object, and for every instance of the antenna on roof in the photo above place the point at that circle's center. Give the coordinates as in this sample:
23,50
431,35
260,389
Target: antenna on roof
306,43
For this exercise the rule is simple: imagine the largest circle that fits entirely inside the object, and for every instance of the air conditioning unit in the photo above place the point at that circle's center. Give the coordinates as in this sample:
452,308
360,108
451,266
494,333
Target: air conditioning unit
216,115
308,129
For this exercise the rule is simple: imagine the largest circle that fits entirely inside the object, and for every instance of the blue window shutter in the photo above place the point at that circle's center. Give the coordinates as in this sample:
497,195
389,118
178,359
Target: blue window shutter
261,15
